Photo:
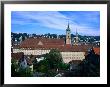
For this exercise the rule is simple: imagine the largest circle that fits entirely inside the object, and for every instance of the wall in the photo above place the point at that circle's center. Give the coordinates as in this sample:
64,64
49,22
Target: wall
29,51
67,56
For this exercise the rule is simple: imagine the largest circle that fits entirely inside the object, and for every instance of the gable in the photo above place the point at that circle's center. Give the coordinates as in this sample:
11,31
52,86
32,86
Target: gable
40,43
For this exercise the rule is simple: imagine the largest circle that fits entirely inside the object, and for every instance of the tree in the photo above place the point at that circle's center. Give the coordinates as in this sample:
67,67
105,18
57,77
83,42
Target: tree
54,58
91,65
14,67
64,66
51,63
25,72
17,71
35,65
43,66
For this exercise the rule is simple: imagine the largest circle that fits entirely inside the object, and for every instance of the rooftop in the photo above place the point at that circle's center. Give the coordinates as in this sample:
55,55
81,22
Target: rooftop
47,44
96,50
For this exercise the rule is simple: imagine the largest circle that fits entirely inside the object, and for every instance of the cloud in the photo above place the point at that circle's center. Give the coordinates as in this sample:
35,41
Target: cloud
57,20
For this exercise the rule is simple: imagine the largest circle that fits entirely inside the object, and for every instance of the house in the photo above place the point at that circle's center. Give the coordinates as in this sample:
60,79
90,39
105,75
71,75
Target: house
22,60
17,56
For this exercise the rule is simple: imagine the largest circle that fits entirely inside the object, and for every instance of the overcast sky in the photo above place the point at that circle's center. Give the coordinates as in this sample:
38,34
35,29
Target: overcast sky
55,22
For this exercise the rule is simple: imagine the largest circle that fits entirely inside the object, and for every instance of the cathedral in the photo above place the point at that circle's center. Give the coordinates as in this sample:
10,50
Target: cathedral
40,46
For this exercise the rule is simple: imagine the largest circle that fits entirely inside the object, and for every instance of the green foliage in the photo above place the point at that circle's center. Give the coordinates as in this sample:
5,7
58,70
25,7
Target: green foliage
54,58
43,66
14,67
90,66
35,65
52,61
25,72
16,71
63,66
51,73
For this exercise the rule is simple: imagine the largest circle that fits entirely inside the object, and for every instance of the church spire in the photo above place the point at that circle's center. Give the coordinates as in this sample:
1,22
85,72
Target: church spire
76,38
76,33
68,24
68,27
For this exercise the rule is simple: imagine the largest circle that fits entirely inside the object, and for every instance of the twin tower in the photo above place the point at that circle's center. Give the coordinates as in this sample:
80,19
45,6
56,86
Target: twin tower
68,37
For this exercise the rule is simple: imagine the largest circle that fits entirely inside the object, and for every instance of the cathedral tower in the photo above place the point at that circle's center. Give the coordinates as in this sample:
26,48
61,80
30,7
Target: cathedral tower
76,39
68,35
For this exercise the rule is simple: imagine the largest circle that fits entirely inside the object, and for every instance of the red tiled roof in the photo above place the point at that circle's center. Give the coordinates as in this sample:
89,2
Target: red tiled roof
48,44
33,42
96,50
17,56
76,48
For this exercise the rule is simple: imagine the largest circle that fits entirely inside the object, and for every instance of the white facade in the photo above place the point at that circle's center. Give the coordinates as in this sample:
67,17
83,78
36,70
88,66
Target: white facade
29,51
67,56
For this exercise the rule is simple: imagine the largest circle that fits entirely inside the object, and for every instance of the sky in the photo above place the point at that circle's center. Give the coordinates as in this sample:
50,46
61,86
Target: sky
55,22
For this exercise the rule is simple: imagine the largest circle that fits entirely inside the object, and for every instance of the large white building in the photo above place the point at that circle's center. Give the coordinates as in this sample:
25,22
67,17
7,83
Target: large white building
39,46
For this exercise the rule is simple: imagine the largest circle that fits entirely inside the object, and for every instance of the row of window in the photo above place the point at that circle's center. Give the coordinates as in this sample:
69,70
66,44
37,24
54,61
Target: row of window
64,54
37,48
73,55
72,52
32,52
74,58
